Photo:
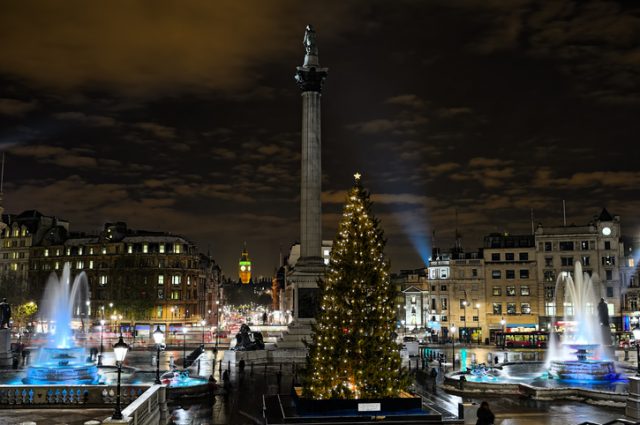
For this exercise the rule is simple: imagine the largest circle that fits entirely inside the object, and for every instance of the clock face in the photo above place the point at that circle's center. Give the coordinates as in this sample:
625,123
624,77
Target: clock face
606,231
243,268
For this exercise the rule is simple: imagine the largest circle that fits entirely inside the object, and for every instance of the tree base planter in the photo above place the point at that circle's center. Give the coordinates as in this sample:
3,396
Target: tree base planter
293,409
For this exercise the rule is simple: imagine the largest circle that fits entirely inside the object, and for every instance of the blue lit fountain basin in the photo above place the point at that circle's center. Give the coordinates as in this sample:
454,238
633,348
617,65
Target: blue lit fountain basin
178,383
62,366
531,379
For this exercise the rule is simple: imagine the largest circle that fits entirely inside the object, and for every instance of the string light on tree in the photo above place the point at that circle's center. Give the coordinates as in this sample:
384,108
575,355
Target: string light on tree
354,335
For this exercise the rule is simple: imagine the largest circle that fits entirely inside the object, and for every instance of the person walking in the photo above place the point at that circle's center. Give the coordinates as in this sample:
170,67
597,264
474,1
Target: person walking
485,415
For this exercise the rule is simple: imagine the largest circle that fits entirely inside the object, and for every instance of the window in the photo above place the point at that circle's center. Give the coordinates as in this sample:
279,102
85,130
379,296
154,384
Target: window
475,319
443,303
584,245
510,274
160,279
159,311
161,294
161,248
57,265
497,308
609,260
443,318
443,288
607,244
495,256
566,261
80,251
177,248
525,308
175,295
523,256
91,251
91,264
550,308
609,291
474,272
497,291
68,251
511,291
549,276
58,252
46,252
462,319
524,290
129,249
102,280
509,256
145,248
104,250
413,299
566,246
433,288
586,260
568,309
547,246
524,273
496,274
463,303
548,261
511,308
80,265
609,274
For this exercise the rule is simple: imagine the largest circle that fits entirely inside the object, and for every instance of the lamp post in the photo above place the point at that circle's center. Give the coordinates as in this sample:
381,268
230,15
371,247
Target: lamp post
202,323
120,349
504,336
217,323
453,346
158,338
478,316
465,330
636,336
102,322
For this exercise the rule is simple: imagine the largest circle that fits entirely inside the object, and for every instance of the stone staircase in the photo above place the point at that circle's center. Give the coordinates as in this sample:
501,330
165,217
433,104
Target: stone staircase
293,337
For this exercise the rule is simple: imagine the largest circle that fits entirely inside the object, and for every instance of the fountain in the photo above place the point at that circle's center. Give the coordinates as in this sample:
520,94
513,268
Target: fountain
60,361
589,361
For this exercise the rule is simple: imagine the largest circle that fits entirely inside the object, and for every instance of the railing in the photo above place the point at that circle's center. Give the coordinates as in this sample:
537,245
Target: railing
27,396
149,408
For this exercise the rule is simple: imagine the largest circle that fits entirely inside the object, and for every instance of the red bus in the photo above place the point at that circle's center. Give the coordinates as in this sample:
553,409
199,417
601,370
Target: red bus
522,339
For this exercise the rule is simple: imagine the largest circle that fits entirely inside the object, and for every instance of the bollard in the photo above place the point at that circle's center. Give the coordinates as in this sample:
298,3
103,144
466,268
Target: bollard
220,368
229,365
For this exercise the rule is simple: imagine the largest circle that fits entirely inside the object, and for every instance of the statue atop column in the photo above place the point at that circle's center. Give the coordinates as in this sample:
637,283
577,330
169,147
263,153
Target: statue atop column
5,314
310,48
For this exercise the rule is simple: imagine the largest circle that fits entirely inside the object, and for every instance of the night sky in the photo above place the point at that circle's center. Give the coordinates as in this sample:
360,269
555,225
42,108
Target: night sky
185,117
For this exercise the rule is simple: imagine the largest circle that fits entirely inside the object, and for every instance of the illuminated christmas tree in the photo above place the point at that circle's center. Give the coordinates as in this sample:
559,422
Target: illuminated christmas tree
353,353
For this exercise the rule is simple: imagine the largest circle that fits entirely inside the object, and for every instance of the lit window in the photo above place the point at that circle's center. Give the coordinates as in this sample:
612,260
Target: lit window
550,308
104,250
176,279
177,248
14,266
102,280
57,265
160,279
130,249
161,248
497,291
188,280
511,308
511,291
91,251
24,232
497,308
145,248
80,251
525,308
524,291
80,265
91,264
160,294
57,252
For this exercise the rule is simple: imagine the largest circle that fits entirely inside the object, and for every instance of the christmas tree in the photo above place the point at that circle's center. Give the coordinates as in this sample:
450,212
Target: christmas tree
353,353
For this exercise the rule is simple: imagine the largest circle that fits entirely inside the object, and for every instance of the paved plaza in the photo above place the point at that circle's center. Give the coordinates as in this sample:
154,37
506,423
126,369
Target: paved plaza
242,404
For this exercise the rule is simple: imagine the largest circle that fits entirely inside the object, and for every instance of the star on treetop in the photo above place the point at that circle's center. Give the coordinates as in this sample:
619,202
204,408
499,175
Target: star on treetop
357,176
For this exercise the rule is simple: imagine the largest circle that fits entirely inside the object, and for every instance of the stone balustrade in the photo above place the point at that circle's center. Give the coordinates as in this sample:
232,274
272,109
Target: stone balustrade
37,396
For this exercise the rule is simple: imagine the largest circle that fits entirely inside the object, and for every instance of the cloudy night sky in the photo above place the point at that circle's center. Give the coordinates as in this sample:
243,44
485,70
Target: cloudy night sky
185,117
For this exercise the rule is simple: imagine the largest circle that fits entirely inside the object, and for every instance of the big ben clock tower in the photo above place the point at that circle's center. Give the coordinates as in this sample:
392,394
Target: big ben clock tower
244,267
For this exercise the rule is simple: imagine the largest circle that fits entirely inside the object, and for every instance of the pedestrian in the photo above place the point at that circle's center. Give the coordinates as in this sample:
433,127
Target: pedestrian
485,415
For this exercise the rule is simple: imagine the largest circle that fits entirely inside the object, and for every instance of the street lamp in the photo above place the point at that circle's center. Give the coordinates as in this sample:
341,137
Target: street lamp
202,323
102,322
504,337
217,323
453,346
158,338
120,349
478,317
636,336
184,347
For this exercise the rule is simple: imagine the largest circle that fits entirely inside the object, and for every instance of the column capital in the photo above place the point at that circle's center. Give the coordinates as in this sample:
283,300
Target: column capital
310,78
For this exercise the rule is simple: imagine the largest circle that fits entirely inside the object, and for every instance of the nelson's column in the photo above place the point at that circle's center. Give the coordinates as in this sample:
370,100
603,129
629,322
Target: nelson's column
310,267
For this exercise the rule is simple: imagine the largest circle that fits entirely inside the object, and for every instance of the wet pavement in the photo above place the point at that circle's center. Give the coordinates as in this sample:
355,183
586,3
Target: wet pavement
242,403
